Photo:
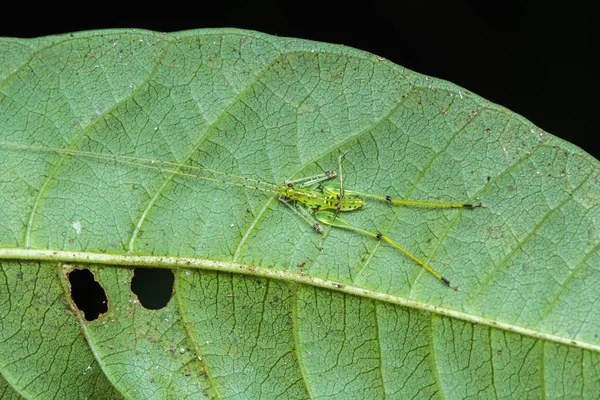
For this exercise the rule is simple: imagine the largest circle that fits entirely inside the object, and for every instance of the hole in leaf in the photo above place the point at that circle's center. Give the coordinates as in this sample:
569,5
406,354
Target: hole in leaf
153,287
87,294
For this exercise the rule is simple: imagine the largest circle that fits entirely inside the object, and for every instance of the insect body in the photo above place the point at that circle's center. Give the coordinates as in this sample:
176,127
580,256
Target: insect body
323,199
315,199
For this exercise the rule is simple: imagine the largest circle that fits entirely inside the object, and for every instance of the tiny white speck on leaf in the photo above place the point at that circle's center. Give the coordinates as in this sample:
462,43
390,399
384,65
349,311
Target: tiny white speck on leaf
76,226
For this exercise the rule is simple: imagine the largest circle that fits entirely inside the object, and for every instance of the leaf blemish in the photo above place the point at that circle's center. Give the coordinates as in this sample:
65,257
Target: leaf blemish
76,225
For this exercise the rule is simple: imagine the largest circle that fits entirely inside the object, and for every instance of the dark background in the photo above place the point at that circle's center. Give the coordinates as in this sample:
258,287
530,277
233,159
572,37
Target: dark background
535,59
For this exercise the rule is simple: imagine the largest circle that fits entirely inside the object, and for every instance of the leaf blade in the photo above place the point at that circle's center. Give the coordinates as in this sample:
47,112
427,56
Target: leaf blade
273,108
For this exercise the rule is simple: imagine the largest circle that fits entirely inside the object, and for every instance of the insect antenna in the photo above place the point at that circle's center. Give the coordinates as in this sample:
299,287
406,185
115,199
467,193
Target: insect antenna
161,166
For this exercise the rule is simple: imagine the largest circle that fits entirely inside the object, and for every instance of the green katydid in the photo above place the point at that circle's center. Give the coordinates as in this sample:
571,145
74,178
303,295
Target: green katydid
316,199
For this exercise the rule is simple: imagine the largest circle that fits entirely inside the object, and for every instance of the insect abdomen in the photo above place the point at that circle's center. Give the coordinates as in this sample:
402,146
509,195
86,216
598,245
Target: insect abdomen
348,203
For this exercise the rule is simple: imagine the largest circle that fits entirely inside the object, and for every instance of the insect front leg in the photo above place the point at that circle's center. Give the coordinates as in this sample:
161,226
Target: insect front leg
340,159
308,181
304,213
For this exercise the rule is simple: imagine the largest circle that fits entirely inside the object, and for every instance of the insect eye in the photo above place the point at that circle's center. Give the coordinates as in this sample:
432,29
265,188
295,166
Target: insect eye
290,185
286,197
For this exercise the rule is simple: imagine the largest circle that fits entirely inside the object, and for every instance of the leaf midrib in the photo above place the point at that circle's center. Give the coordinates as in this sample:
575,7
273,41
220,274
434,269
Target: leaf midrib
116,260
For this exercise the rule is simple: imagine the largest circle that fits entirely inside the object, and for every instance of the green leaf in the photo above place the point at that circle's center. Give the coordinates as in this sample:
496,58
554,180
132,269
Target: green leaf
258,309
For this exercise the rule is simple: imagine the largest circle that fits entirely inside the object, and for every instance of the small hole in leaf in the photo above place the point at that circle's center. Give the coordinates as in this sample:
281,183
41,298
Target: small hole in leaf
88,295
153,287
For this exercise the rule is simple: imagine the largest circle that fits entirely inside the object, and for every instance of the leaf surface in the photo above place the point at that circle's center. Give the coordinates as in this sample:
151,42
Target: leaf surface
258,309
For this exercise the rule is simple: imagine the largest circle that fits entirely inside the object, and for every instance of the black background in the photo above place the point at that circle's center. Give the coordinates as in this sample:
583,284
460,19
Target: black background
535,59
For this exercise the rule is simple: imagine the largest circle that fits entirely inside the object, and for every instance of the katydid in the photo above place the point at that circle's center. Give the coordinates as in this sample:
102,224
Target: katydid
316,199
